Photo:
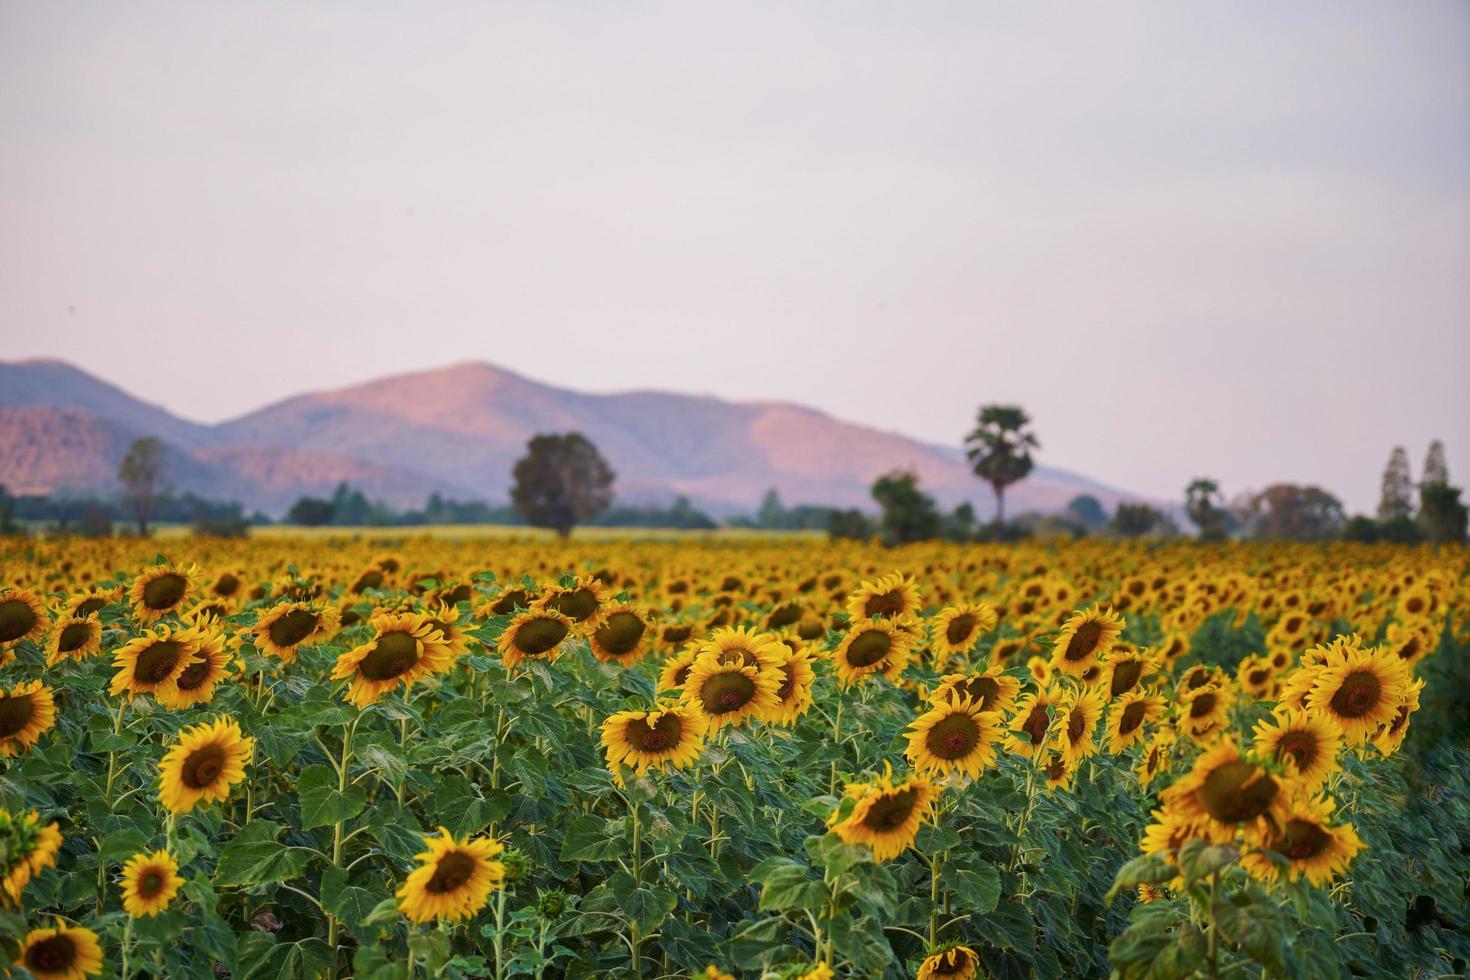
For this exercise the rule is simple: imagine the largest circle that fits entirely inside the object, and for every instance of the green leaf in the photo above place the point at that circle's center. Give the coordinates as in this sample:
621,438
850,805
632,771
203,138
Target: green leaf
322,803
978,890
1258,929
1198,859
587,840
255,857
790,886
347,902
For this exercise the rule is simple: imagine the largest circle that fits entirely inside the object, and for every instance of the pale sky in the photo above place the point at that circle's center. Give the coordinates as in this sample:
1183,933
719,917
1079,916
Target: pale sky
1190,237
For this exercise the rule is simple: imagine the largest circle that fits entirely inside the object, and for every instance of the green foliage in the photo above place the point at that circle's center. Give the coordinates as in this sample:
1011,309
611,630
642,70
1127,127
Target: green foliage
562,481
908,514
999,449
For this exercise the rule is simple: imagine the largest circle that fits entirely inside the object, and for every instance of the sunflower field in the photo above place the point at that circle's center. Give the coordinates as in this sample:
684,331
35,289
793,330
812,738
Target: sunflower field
700,757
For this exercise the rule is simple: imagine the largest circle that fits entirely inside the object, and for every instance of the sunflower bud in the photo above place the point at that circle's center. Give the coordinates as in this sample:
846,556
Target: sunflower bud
517,864
550,905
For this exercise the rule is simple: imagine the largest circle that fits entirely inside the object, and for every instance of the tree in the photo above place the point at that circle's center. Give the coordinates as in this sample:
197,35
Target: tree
1287,510
772,514
1088,511
999,449
1435,470
1202,502
1396,498
1136,520
141,474
310,512
7,512
561,482
852,524
909,513
1441,514
960,523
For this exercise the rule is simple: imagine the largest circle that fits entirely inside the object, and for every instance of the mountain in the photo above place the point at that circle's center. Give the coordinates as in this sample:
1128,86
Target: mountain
460,429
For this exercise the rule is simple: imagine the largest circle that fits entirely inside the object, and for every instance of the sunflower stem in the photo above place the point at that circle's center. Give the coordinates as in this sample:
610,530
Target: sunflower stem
1213,940
342,770
633,940
499,943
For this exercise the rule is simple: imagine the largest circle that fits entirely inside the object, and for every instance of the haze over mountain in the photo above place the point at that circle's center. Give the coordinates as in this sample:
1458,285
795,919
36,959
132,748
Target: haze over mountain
459,430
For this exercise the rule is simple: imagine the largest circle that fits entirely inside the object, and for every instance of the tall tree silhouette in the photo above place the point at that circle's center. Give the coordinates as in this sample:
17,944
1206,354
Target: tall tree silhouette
561,482
1396,498
999,449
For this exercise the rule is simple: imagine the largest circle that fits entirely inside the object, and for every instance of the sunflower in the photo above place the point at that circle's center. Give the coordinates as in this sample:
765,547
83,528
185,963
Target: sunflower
28,849
283,629
1256,677
1202,711
203,763
891,597
161,590
1411,643
61,952
227,585
1388,738
581,600
445,619
1297,686
1040,670
1129,715
1124,670
74,638
872,647
149,883
1057,770
22,616
1362,692
1085,638
885,815
404,648
955,963
1156,757
533,635
675,671
744,647
1032,721
1226,791
1314,847
27,711
672,735
623,636
956,736
731,693
454,878
1169,831
794,695
1172,646
992,690
957,628
673,636
195,684
90,602
148,662
1078,717
1308,741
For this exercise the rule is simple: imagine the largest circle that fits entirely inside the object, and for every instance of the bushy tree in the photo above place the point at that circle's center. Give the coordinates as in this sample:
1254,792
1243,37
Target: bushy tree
1137,520
909,513
561,482
1202,502
1289,510
142,475
999,449
1442,516
1088,511
960,523
1396,496
851,524
310,512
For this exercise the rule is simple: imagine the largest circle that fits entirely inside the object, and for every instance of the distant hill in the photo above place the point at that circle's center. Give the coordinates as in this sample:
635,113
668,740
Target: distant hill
460,429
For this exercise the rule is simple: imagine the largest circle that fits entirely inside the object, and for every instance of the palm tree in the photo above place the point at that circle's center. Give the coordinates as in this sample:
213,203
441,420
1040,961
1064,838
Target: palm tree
999,449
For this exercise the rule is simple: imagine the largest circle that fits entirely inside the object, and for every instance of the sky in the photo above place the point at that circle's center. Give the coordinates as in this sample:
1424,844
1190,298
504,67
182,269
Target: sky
1191,238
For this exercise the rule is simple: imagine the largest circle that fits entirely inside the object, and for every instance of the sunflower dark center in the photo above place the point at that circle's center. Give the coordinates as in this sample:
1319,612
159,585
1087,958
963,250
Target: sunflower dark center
784,616
724,693
226,585
890,810
1359,694
663,734
681,675
1202,706
1076,724
54,954
194,675
1084,642
677,634
575,604
451,873
1300,746
1304,840
510,601
203,767
1237,791
150,883
740,656
951,963
293,627
394,654
869,648
788,683
16,711
165,592
1125,677
960,628
1198,678
1036,724
953,737
156,663
91,606
887,604
16,620
811,628
74,636
1409,649
1056,768
1258,677
983,690
1132,717
537,636
368,580
460,593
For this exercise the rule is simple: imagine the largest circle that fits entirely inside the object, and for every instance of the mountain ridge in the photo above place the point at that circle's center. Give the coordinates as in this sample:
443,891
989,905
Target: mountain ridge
458,429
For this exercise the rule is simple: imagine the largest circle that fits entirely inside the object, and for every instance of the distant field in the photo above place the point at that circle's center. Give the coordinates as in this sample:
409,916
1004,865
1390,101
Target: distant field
463,532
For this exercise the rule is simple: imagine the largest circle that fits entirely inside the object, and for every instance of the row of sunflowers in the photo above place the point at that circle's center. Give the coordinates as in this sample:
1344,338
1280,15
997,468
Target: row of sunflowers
712,758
